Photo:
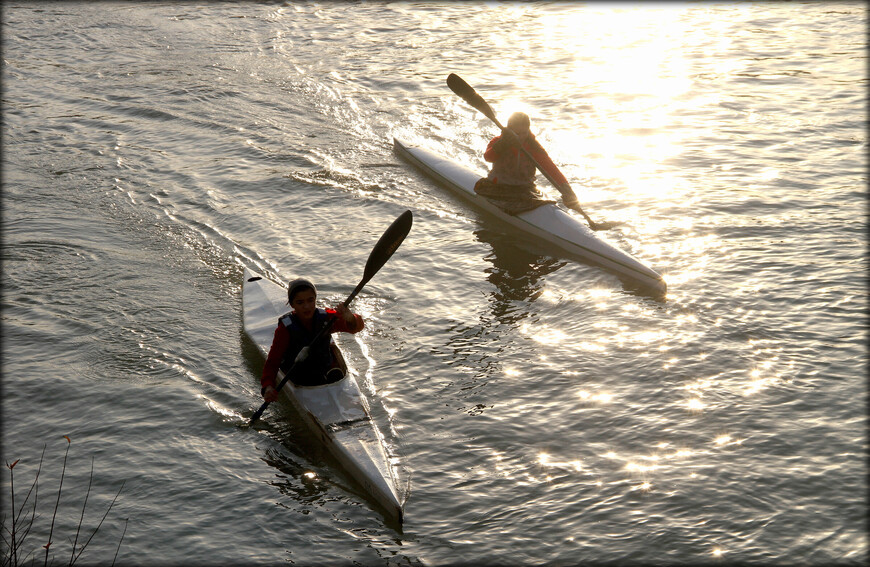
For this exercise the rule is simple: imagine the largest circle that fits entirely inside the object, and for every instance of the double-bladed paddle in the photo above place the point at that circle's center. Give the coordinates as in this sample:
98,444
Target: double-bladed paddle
469,95
388,243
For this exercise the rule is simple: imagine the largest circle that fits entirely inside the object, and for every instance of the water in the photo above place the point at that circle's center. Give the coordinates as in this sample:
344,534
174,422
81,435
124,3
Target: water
541,412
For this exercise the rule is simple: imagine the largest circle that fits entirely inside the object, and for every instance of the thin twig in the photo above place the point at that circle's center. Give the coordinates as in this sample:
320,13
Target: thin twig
100,524
26,557
119,542
34,489
57,504
12,489
13,540
82,519
5,541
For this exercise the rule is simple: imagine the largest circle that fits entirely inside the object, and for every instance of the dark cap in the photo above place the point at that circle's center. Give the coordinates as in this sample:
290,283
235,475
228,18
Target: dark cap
298,285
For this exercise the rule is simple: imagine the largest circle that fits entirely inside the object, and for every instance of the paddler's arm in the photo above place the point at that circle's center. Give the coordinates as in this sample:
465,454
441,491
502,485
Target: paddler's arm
280,342
561,183
568,196
346,321
498,146
493,150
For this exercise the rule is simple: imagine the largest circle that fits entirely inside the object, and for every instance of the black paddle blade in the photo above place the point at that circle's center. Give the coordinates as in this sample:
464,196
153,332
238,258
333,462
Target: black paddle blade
469,95
258,413
388,244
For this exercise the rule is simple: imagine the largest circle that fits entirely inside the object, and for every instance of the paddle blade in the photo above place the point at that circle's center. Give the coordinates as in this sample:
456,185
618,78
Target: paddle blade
258,413
388,244
469,95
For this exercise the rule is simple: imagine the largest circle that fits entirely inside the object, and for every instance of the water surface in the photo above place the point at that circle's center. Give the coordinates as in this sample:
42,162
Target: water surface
540,411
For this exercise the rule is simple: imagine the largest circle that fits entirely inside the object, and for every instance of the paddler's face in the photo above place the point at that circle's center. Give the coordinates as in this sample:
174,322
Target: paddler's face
304,304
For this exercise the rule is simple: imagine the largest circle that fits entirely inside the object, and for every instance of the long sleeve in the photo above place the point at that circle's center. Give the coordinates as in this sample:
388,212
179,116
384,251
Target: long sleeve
543,158
341,326
493,150
279,345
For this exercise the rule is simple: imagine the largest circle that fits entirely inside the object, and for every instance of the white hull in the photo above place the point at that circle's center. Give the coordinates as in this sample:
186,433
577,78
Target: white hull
338,413
548,222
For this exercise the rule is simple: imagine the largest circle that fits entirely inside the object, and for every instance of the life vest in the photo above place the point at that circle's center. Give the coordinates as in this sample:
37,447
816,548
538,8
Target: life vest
319,355
513,167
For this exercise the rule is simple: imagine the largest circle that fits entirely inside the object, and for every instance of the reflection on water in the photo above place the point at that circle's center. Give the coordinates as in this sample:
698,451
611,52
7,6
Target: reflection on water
480,349
304,485
516,275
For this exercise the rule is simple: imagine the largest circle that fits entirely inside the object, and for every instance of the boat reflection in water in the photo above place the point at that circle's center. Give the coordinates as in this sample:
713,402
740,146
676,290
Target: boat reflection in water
516,275
477,347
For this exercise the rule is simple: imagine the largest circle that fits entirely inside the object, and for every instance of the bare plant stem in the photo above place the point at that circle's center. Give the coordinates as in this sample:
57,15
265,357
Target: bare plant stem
13,537
12,488
109,509
57,504
21,529
82,519
122,538
34,489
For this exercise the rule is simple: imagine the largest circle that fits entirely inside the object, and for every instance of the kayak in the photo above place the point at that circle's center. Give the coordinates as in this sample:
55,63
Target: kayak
336,413
548,222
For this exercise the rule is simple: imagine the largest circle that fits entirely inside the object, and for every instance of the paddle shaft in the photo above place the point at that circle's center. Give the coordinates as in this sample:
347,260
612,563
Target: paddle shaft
467,93
385,247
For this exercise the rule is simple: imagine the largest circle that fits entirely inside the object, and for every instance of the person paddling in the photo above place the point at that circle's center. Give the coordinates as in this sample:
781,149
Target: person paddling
296,330
511,182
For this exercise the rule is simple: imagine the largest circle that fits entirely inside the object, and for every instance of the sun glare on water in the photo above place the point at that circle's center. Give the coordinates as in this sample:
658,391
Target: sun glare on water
631,70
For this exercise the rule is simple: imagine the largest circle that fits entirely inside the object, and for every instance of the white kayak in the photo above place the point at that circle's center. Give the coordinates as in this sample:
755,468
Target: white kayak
547,222
337,413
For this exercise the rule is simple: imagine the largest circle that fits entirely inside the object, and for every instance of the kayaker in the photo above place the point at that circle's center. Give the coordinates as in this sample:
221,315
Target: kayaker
511,181
297,329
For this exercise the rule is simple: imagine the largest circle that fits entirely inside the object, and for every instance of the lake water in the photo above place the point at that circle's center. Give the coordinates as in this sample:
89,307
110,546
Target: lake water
540,411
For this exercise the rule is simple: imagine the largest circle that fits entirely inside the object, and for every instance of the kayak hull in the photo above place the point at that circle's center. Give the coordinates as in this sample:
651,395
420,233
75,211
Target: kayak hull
549,223
337,414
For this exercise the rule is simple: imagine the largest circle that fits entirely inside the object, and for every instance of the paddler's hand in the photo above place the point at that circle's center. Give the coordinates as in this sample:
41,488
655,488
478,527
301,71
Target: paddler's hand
568,196
510,138
571,202
347,315
270,394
